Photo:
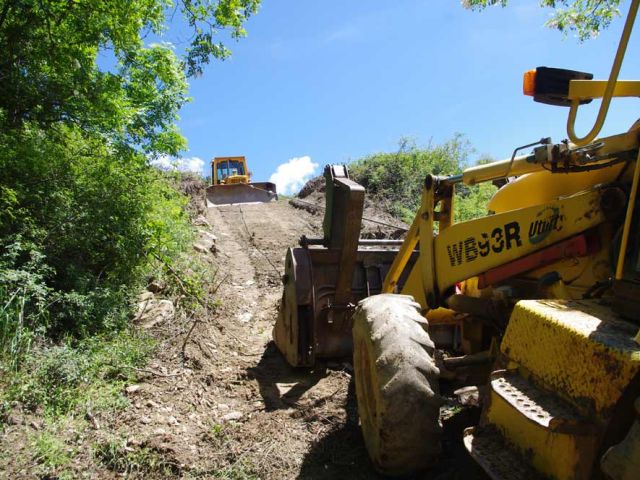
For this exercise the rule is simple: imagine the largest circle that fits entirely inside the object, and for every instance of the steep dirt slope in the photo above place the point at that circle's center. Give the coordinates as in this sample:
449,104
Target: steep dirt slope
234,409
227,405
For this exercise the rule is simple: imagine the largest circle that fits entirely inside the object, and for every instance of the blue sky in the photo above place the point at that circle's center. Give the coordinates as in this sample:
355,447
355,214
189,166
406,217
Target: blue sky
337,80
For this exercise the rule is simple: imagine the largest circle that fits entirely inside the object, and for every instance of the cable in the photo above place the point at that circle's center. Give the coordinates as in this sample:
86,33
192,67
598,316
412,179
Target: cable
542,141
253,243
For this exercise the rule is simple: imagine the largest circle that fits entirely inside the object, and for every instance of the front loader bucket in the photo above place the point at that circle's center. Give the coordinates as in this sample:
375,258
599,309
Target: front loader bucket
259,192
311,324
325,278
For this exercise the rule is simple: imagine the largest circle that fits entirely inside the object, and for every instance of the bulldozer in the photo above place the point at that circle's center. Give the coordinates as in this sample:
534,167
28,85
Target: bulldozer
231,183
537,304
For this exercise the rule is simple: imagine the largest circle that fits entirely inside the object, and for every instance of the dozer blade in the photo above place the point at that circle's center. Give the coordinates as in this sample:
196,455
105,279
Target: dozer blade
325,278
259,192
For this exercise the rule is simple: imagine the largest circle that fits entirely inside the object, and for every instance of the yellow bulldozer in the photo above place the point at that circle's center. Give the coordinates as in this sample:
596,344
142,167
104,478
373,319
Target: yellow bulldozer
231,183
537,303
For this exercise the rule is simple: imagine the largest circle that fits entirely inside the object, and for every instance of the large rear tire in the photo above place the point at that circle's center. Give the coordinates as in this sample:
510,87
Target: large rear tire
396,385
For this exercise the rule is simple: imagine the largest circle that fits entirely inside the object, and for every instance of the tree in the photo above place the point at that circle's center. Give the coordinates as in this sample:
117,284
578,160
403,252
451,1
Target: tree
390,178
584,17
88,92
49,69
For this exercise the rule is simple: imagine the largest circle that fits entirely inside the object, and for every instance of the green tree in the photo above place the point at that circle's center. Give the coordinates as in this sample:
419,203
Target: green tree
86,98
584,17
49,71
396,179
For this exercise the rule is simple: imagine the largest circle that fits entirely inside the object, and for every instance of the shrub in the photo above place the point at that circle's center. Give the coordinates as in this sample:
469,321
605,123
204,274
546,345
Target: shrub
82,225
396,179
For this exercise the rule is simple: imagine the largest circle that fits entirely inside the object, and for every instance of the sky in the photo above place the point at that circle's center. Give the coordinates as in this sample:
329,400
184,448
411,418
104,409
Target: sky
330,82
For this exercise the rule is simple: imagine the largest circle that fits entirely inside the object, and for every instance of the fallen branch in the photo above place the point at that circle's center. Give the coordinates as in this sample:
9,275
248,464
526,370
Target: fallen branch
146,370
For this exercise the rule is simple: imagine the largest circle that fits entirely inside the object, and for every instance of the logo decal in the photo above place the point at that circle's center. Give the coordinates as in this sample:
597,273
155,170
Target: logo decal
547,221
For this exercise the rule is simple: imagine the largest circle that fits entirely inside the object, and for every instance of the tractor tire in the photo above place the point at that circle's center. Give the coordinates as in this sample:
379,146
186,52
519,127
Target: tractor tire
396,385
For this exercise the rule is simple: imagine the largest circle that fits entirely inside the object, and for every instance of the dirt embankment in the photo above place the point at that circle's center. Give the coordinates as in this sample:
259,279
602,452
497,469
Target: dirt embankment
235,409
376,221
224,404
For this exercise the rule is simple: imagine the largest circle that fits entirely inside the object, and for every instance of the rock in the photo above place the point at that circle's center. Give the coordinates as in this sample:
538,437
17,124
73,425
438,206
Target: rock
172,420
206,242
206,235
145,419
283,388
135,442
145,297
245,317
200,221
93,420
231,416
156,286
201,248
468,395
151,404
132,389
155,312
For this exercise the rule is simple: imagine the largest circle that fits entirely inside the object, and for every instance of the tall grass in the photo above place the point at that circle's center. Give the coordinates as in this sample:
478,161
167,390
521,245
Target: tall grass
15,339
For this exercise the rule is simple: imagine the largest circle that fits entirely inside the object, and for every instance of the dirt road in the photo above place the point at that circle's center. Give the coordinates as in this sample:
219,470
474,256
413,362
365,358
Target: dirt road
240,411
217,400
234,409
296,423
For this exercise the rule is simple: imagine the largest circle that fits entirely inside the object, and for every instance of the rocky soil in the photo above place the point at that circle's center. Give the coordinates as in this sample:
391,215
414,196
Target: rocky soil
217,399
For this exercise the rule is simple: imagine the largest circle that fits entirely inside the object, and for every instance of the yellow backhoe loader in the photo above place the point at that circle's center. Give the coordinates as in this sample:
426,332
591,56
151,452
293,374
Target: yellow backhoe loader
231,183
538,303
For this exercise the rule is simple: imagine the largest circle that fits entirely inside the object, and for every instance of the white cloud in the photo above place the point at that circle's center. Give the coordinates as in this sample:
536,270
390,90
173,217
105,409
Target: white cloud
183,164
292,175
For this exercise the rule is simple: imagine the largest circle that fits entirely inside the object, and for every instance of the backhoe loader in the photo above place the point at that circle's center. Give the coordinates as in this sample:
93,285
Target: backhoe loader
538,303
231,183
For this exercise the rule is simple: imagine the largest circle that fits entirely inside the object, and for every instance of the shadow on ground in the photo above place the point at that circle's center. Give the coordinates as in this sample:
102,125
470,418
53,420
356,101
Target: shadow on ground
273,371
341,454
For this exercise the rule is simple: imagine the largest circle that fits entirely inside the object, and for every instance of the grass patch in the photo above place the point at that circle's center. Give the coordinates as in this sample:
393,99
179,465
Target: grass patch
50,451
237,471
134,462
76,377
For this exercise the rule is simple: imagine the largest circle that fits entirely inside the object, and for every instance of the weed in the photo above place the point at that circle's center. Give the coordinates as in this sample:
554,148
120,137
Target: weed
217,430
89,375
237,471
134,462
50,451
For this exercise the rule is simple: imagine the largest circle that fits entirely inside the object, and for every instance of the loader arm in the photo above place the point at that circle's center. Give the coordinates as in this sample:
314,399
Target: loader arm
502,241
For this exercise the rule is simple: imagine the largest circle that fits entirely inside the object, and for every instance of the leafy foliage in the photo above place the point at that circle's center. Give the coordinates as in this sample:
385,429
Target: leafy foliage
395,179
85,101
76,377
587,18
50,71
84,222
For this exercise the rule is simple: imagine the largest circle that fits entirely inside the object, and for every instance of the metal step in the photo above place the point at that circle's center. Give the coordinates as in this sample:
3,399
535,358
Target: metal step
543,408
500,462
579,349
